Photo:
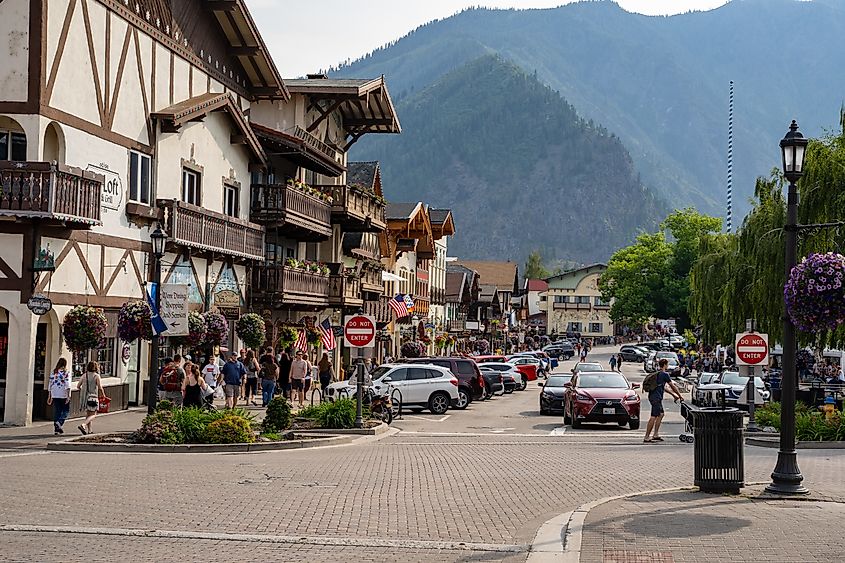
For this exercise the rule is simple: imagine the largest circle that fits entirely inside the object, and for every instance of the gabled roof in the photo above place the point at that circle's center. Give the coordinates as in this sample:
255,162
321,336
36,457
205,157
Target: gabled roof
364,104
300,149
398,211
501,274
455,282
488,293
172,118
571,279
536,285
442,224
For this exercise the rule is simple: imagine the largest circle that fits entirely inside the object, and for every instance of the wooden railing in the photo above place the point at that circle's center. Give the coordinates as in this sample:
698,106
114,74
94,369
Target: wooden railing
281,285
457,325
356,209
315,143
284,205
380,310
197,227
50,191
371,280
345,291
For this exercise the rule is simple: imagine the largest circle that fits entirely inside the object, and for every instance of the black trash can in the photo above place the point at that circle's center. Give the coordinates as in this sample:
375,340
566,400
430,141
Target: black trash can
719,449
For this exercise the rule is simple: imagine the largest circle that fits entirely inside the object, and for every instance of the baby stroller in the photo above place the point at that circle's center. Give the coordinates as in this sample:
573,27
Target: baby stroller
686,435
208,402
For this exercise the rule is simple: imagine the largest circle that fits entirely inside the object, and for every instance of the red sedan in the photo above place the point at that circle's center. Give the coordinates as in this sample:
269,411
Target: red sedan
601,396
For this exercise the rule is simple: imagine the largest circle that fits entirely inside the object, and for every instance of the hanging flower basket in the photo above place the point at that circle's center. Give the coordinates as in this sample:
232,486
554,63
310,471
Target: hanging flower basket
133,321
815,292
216,329
482,346
251,329
196,331
287,336
84,328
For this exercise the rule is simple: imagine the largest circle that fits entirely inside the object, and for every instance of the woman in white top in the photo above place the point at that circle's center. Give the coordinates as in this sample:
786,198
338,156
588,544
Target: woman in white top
58,395
91,390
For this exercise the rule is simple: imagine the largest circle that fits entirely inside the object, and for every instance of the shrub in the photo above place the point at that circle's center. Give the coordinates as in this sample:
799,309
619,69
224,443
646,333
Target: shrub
160,428
339,414
810,426
311,412
274,436
231,429
164,405
278,415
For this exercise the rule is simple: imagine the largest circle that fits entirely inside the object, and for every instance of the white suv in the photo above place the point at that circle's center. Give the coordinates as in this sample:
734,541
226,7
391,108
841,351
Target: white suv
420,385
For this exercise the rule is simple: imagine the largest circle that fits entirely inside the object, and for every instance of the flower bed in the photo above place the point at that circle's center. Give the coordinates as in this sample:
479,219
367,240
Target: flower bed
810,426
306,189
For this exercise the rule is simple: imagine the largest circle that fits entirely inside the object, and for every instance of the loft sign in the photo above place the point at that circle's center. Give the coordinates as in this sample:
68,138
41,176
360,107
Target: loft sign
112,195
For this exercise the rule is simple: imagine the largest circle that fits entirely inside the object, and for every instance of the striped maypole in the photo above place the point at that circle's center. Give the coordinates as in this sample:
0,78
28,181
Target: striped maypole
728,215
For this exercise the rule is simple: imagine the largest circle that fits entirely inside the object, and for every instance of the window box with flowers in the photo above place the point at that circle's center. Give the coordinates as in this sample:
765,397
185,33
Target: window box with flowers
309,190
307,266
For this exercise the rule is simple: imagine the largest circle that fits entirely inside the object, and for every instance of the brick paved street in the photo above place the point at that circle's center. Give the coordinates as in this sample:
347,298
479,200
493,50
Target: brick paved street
369,501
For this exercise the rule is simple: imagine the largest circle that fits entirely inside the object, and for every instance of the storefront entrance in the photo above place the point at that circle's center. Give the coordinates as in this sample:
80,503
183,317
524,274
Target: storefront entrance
4,361
39,388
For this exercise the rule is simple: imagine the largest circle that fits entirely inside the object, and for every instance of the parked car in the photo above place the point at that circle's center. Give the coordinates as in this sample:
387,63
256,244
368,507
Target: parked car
545,366
430,387
738,384
701,398
601,396
551,394
677,342
511,378
489,359
587,366
529,368
562,350
494,383
651,345
631,353
471,385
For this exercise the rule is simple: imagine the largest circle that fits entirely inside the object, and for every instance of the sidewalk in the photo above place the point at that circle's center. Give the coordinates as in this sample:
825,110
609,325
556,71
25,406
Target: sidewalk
692,526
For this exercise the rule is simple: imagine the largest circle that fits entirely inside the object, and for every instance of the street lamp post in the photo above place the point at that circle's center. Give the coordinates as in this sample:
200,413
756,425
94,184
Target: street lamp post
158,238
786,477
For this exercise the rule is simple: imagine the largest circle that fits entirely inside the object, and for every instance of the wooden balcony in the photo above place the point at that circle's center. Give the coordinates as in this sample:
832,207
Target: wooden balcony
281,286
345,291
371,281
421,305
316,144
380,310
303,216
197,227
457,325
52,192
356,209
572,306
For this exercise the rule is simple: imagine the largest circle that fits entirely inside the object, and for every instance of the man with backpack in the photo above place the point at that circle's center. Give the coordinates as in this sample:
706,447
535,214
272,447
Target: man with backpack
171,378
654,384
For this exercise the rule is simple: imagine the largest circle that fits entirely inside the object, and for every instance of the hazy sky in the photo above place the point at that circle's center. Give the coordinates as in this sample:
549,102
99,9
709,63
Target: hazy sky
307,36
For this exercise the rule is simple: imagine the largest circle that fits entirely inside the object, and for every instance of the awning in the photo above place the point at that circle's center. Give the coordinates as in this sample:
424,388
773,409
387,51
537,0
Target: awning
387,276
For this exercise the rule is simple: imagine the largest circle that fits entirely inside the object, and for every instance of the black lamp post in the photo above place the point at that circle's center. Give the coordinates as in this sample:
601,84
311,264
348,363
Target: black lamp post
786,477
158,238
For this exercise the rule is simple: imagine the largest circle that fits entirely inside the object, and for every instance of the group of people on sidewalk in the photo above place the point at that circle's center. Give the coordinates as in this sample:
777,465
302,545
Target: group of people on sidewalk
59,394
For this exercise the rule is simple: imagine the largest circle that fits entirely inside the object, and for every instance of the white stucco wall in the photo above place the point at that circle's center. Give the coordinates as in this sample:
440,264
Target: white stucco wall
14,50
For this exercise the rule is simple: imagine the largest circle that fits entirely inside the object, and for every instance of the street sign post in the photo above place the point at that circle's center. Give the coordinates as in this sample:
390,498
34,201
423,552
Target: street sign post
751,349
359,331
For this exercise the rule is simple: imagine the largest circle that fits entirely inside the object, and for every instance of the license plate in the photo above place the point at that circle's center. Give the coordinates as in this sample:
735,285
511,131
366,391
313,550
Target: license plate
608,411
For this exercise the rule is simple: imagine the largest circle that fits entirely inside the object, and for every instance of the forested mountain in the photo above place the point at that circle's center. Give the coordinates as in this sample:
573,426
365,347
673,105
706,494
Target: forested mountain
660,83
516,164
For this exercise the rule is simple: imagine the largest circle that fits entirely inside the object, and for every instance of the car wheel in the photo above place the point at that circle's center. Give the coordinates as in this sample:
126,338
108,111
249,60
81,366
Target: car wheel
634,425
575,422
438,403
524,384
543,412
462,401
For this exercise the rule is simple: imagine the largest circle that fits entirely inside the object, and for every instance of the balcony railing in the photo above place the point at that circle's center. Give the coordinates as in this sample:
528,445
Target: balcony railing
303,215
572,306
438,296
315,143
371,280
380,310
345,291
197,227
280,285
356,209
44,190
457,325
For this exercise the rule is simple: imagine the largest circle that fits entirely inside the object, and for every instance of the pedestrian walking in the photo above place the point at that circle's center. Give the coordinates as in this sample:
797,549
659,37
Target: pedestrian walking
59,395
233,376
211,374
619,363
269,376
90,391
284,373
252,369
193,387
655,384
612,363
300,368
324,369
171,378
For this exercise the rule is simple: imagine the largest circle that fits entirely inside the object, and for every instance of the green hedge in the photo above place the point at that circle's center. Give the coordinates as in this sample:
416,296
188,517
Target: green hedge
810,425
169,425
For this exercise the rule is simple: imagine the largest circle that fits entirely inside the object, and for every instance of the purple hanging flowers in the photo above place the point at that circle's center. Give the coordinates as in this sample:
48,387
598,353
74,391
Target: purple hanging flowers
84,328
815,292
133,321
216,328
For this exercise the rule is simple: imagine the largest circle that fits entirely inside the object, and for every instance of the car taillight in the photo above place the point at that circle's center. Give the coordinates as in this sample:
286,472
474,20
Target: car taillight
454,382
481,380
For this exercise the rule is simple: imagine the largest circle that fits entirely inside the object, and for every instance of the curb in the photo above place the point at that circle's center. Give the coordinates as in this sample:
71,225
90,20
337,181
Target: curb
774,442
375,431
559,539
71,445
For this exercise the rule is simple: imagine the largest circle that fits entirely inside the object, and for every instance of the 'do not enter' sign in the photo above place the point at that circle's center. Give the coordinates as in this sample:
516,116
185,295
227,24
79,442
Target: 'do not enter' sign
752,349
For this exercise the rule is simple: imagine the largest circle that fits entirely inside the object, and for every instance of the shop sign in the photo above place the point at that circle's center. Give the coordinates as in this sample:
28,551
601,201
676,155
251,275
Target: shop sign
228,302
174,309
39,304
111,195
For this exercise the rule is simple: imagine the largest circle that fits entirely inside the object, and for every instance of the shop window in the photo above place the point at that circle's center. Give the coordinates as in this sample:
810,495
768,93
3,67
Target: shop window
105,358
573,327
599,302
596,328
139,177
191,187
231,199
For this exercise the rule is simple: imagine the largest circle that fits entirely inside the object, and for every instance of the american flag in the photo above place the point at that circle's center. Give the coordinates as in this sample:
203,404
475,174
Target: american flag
399,306
301,342
327,335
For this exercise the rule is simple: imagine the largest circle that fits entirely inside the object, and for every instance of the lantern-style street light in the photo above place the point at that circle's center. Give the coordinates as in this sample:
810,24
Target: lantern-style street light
158,239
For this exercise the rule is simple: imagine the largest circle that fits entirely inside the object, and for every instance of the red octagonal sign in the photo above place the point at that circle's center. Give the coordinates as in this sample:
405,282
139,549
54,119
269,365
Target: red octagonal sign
752,349
359,331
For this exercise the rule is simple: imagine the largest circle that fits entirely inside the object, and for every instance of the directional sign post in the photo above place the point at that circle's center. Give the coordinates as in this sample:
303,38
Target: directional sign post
359,331
752,349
